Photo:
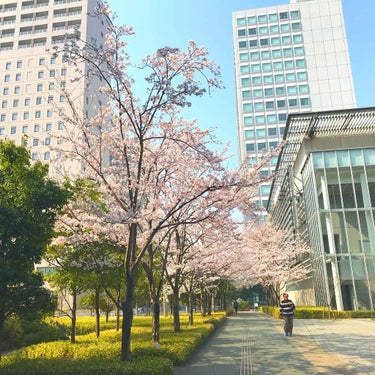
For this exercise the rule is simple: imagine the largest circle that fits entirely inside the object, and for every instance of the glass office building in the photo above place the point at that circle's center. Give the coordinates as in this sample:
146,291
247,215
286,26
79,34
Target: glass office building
325,192
290,58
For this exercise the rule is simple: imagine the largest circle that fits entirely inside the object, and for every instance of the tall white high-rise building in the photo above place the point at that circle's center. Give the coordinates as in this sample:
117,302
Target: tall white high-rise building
31,76
288,59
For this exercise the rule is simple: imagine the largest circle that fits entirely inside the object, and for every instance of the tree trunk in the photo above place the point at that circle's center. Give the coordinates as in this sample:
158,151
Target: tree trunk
155,321
117,319
203,302
176,310
74,318
127,320
191,309
97,312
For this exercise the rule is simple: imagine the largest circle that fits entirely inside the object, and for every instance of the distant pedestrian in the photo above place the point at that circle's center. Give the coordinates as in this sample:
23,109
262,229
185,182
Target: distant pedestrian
287,312
235,306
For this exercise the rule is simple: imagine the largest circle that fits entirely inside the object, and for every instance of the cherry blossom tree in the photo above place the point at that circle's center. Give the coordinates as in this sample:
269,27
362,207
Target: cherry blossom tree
270,257
147,162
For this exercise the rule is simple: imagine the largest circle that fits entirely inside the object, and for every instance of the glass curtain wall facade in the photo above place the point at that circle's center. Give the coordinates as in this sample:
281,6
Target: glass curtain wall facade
288,59
340,218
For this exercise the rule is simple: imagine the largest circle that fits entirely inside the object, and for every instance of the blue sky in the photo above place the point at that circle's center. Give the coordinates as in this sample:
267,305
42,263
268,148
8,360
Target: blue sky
159,23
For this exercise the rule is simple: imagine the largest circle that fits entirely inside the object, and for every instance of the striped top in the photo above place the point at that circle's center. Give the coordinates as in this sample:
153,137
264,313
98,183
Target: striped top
286,307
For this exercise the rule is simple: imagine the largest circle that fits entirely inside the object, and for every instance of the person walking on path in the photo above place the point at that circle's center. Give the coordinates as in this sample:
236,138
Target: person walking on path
287,312
235,305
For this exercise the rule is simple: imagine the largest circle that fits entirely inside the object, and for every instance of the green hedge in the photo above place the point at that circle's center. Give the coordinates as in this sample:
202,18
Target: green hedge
92,355
311,312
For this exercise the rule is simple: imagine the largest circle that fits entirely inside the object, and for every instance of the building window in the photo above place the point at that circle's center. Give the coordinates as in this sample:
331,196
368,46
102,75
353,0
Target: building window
290,77
253,43
26,115
251,20
13,130
270,105
281,104
256,80
272,131
302,76
261,146
34,156
285,27
287,52
247,107
267,79
52,73
257,93
246,94
25,129
261,133
37,114
272,17
18,77
300,63
249,134
266,67
255,68
6,91
296,26
14,116
4,104
41,61
275,41
271,119
266,55
263,30
3,117
241,21
244,69
248,120
49,113
36,128
279,78
303,89
53,60
264,42
259,120
294,14
292,102
19,64
7,78
262,18
51,86
2,131
47,155
286,39
40,74
47,141
8,65
278,65
17,89
280,91
268,92
298,51
282,117
250,147
244,57
35,142
60,125
254,55
297,38
274,29
291,90
38,100
242,44
241,32
245,81
258,106
276,53
48,126
63,71
39,87
305,101
283,15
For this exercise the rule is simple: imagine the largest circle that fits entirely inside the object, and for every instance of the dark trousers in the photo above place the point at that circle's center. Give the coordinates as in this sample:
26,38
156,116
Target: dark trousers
288,323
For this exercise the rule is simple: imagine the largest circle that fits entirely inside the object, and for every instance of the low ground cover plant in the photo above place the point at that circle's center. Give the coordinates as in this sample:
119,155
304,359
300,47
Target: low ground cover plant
92,355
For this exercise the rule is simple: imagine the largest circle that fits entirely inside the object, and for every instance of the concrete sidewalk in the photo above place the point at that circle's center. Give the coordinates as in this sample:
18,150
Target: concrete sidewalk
253,343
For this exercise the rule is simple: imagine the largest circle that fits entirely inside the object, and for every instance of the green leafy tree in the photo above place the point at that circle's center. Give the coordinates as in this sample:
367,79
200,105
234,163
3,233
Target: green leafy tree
29,201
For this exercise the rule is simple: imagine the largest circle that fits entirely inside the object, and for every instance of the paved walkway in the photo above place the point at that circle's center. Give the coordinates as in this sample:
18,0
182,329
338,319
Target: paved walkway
252,343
